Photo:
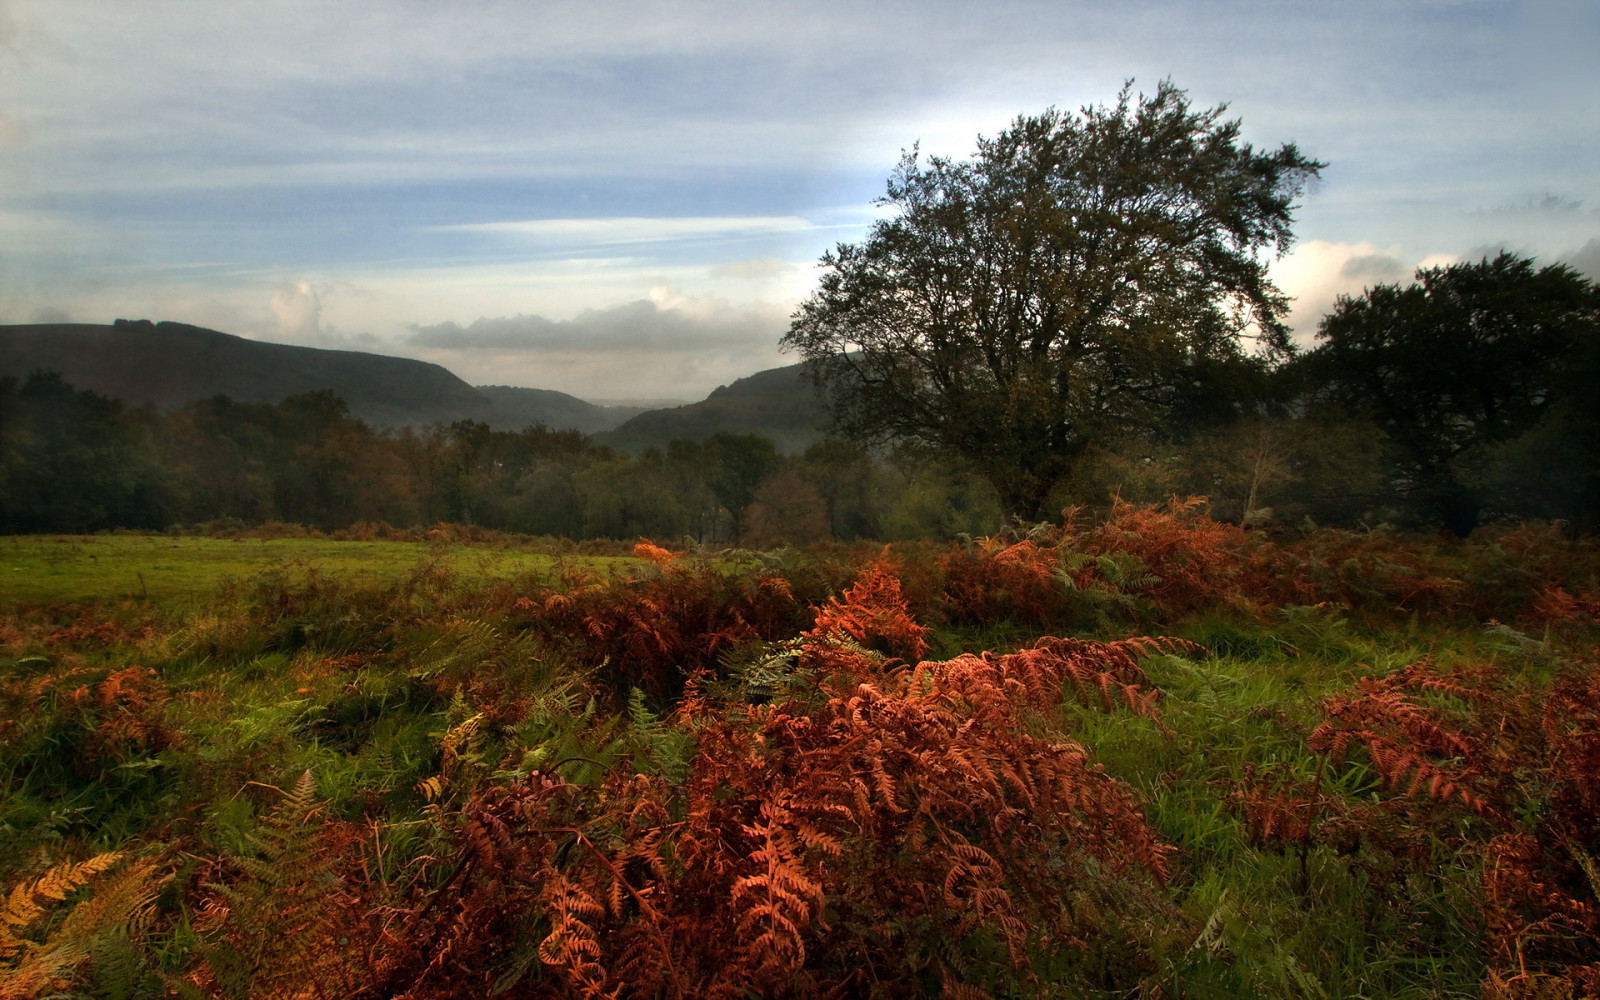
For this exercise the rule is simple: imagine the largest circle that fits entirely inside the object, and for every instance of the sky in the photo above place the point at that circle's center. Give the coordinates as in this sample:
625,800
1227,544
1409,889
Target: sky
628,200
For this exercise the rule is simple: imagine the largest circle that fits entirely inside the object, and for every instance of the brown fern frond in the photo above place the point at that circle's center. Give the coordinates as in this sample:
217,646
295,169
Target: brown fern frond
119,903
573,945
874,613
777,903
23,905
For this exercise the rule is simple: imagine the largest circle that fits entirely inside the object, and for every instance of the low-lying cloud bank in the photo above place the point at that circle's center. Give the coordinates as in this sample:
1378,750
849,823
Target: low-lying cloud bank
666,320
667,345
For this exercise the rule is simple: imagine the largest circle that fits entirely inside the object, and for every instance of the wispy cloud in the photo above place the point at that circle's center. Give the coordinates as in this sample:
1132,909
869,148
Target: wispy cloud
625,230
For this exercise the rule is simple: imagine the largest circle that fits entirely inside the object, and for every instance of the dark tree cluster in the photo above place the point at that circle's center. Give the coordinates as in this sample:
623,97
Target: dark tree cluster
1484,379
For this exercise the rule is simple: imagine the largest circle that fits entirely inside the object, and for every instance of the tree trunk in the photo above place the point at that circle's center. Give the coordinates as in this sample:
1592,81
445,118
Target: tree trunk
1461,511
1022,493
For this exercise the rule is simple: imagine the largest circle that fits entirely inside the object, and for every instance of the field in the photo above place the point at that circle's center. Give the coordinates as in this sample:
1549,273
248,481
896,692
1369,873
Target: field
1156,756
173,572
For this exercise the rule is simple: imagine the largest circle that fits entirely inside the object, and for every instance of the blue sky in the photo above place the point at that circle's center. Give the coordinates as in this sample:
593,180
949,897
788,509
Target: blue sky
628,199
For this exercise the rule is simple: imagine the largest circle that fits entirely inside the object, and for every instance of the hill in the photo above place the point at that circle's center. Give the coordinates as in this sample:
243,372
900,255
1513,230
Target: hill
777,404
169,364
516,408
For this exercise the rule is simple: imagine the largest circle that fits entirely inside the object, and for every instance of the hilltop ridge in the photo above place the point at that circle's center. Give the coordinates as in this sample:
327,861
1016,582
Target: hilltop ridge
167,365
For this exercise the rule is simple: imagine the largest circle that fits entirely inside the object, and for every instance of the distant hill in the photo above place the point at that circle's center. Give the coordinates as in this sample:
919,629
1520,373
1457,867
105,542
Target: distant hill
776,404
516,408
169,364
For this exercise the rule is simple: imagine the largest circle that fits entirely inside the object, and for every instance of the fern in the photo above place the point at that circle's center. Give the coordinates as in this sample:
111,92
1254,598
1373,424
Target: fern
279,927
777,902
120,905
1524,766
655,746
891,829
873,612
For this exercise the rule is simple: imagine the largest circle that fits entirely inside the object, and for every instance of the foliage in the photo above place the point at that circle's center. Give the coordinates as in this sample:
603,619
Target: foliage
99,930
1081,273
75,460
653,633
899,836
1505,774
923,769
1470,356
274,922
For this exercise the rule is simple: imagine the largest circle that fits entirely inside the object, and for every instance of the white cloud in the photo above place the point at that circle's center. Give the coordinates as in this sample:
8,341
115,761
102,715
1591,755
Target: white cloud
612,231
296,309
668,320
1317,272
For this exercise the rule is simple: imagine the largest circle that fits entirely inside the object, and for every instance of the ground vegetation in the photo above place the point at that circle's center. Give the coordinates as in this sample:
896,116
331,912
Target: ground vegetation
1150,753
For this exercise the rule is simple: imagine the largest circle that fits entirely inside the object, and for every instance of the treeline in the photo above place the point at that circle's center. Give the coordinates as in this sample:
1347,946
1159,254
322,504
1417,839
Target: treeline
72,460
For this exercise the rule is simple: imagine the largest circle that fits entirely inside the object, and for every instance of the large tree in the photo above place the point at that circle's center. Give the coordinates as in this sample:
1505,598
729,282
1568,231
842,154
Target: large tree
1470,359
1082,273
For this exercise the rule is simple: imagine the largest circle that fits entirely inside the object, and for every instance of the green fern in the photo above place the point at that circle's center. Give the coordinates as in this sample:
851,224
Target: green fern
278,929
655,745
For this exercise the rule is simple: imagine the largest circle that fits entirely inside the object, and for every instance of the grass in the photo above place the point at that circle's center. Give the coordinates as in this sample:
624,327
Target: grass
186,573
405,677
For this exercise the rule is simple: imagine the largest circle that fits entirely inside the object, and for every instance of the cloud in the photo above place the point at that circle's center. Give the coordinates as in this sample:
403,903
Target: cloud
665,321
296,311
764,269
613,231
12,131
1548,206
1380,266
1585,260
1319,271
669,343
22,35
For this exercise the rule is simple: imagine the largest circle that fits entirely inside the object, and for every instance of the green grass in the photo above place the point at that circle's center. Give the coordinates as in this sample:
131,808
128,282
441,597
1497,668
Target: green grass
176,572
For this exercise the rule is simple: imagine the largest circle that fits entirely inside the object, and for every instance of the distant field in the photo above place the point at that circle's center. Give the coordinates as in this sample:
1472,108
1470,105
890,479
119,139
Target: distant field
184,572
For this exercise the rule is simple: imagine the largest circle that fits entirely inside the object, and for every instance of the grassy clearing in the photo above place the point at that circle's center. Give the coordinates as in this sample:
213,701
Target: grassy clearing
183,572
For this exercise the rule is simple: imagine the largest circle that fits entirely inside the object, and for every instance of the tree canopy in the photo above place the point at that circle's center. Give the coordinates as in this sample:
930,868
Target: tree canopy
1081,273
1468,357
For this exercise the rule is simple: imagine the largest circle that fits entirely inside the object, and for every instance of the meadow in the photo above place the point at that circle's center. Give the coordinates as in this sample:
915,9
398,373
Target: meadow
168,571
1155,756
